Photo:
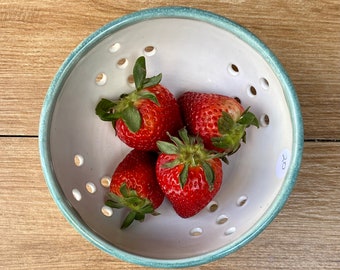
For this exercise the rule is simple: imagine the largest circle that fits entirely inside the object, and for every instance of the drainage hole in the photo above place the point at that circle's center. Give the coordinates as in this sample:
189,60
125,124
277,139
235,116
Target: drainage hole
107,211
233,69
122,63
196,231
238,100
149,50
212,206
242,200
78,160
105,181
131,80
264,120
222,219
230,231
76,194
90,187
101,79
251,91
114,48
264,83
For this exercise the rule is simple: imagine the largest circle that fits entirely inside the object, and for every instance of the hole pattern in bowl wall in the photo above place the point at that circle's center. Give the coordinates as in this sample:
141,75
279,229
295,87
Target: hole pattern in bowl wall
242,200
251,91
115,47
101,79
264,120
91,187
105,181
233,69
107,211
196,231
122,63
78,160
213,207
222,219
151,50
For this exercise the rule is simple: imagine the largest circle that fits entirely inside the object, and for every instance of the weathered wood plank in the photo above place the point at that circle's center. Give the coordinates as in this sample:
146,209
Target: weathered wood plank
36,37
34,234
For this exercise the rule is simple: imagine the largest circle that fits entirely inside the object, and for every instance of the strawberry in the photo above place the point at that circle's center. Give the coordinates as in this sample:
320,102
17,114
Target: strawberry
134,185
219,120
142,117
188,174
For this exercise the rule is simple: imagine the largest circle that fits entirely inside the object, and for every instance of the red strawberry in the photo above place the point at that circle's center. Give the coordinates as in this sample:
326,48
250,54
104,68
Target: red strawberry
143,117
134,185
189,175
219,120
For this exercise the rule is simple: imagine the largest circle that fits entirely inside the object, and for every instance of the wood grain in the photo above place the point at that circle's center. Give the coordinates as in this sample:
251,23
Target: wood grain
37,36
305,235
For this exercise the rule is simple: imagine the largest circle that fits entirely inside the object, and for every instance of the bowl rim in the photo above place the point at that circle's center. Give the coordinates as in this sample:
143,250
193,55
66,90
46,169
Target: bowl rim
170,12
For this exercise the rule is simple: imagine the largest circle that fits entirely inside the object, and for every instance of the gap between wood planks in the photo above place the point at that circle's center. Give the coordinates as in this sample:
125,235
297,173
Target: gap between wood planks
36,136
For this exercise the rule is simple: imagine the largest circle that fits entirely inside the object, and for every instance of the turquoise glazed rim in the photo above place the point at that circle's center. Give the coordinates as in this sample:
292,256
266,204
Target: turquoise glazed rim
95,38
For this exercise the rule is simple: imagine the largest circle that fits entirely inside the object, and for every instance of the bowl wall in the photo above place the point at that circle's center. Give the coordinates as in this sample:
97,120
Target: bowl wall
197,51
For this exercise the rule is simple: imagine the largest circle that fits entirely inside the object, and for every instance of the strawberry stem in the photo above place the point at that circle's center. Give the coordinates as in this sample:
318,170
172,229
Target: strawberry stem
233,132
125,107
137,205
190,152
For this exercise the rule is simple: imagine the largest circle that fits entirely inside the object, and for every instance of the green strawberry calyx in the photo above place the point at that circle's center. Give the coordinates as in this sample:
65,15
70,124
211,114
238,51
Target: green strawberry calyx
138,206
125,107
189,152
233,132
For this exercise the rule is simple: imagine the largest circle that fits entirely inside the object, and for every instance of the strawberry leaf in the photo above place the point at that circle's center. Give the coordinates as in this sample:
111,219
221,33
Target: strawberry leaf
124,190
128,220
139,75
147,208
139,72
148,82
140,217
148,95
167,148
189,151
104,110
172,164
132,118
176,141
229,142
138,206
123,108
223,142
183,176
232,133
209,174
133,199
114,201
248,119
183,134
225,123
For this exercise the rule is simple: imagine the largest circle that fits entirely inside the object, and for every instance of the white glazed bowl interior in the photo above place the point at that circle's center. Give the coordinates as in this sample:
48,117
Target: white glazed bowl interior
194,50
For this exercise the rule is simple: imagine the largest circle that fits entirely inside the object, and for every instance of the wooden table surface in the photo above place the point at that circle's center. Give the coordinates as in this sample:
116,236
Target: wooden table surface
37,35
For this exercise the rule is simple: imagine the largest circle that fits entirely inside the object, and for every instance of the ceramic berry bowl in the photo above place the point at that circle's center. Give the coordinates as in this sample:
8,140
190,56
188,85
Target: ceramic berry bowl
194,50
